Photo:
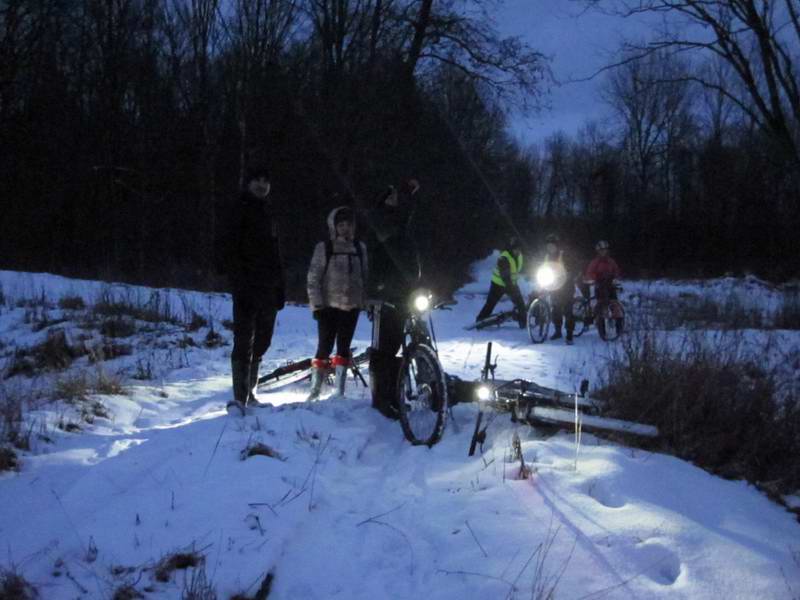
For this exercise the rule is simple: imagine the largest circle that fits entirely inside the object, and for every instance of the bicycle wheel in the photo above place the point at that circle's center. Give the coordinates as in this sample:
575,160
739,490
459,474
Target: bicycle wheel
539,321
423,396
617,314
581,310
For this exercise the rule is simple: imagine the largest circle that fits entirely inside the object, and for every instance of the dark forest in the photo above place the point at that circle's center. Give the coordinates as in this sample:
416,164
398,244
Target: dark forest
126,126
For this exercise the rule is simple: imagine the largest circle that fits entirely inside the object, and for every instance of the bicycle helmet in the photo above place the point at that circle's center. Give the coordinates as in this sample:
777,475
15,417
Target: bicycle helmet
602,245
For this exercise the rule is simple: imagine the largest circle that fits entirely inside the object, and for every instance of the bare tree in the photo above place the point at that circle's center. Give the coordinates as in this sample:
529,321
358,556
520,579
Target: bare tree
757,38
257,32
442,33
649,95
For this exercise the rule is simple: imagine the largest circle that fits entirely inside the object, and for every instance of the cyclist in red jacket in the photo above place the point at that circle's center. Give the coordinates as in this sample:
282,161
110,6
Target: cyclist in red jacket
603,271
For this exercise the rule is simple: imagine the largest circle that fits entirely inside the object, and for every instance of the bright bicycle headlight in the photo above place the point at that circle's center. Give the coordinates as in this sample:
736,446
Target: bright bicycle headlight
422,300
545,276
484,393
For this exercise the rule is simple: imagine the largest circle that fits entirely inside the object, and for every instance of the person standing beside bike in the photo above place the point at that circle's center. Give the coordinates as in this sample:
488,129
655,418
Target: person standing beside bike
337,281
251,258
562,288
504,281
394,272
602,272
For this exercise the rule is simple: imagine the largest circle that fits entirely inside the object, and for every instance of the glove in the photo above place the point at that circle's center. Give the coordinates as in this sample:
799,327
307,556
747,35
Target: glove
280,298
413,186
316,313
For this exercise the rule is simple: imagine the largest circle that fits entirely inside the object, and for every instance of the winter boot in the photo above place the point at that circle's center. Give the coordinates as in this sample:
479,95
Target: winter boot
252,382
383,373
240,375
341,364
252,390
319,370
569,338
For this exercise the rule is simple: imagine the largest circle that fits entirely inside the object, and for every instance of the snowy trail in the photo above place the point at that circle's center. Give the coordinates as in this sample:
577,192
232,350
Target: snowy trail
353,511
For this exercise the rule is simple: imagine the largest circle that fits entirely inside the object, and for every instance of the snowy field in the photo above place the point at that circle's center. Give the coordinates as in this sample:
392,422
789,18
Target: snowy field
348,509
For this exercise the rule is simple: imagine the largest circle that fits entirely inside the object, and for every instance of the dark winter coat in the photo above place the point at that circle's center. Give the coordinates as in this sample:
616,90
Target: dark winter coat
251,251
341,283
394,261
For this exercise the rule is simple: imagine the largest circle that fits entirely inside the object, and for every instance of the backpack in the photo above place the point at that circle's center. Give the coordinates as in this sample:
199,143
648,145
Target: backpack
329,253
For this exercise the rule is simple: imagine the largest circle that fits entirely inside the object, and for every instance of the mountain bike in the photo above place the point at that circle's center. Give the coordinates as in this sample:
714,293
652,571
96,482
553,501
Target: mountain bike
536,405
609,318
421,384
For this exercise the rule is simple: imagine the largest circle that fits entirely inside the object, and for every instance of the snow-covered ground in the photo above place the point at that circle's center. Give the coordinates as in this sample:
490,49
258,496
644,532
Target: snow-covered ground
349,509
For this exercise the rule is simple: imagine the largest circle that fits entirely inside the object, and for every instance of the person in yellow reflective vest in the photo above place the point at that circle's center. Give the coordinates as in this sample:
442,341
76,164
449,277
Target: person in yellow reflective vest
504,281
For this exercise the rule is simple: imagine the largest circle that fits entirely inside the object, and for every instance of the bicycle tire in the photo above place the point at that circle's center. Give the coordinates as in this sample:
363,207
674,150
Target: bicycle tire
617,318
422,394
610,324
581,310
539,321
490,321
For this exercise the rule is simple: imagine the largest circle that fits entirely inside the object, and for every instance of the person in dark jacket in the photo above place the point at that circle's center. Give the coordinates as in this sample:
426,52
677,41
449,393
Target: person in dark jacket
337,279
504,281
256,279
394,274
562,288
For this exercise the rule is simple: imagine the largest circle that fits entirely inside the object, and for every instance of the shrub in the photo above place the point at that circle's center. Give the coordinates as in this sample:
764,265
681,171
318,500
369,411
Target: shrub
712,406
71,388
180,560
12,426
213,339
118,327
789,315
196,322
54,354
108,351
71,303
157,309
127,592
110,385
13,586
8,462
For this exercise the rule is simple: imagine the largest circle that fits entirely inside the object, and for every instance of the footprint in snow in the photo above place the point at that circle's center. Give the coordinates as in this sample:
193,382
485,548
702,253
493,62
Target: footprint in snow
604,495
658,562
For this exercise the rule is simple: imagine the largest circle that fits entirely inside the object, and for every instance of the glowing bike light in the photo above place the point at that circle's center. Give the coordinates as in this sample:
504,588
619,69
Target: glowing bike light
545,276
422,303
484,393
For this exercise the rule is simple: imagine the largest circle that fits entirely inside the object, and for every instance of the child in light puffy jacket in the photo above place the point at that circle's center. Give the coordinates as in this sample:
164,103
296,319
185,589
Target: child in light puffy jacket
336,292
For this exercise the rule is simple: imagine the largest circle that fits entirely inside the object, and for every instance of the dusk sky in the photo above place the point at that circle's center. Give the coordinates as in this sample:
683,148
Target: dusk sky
579,42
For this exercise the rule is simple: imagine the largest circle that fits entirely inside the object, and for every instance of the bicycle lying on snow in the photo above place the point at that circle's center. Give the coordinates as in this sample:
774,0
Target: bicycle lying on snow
425,394
536,405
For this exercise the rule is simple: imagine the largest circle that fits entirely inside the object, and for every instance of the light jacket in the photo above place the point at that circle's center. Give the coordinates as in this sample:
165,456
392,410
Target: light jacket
342,284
